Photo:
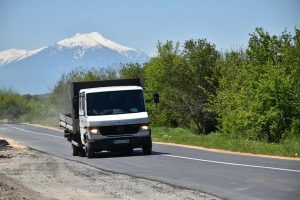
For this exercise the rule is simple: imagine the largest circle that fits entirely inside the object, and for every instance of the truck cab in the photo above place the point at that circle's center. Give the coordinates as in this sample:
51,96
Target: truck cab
114,117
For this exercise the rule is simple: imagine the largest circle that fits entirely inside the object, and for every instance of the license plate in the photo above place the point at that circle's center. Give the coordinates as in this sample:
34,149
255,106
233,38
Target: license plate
121,141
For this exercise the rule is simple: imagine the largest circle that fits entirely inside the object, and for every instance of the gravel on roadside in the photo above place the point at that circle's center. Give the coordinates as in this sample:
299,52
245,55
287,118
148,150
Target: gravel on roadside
29,174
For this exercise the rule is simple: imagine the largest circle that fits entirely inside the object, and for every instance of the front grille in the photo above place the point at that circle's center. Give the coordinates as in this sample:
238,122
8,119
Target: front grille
119,130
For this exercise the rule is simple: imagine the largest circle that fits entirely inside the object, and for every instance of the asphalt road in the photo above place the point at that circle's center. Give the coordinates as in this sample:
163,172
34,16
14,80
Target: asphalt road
224,175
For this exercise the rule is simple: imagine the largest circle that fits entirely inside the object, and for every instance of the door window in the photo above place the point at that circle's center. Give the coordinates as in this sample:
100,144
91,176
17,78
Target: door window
81,104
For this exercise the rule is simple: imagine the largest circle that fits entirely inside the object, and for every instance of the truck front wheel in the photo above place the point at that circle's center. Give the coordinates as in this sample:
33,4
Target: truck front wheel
147,148
89,151
75,150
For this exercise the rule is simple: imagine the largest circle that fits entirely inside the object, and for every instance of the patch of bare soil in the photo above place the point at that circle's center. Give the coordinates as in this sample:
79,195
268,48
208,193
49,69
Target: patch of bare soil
12,189
28,174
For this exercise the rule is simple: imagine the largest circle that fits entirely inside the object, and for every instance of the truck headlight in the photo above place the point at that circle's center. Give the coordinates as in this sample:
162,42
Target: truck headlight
144,127
94,130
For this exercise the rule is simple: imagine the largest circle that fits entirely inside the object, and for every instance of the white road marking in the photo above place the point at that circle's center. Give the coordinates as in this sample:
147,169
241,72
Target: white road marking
182,157
235,164
33,132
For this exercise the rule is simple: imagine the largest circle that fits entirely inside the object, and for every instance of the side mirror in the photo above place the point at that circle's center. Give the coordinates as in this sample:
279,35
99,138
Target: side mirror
156,97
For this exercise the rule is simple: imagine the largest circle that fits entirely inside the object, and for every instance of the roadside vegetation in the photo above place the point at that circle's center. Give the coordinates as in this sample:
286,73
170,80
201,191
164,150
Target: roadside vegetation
245,100
288,148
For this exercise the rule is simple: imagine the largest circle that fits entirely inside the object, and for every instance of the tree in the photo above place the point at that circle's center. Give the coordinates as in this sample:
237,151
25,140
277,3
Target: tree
200,61
132,70
183,79
258,97
158,75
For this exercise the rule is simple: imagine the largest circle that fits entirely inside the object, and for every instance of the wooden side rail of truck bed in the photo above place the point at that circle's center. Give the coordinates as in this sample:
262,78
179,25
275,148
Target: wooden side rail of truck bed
66,121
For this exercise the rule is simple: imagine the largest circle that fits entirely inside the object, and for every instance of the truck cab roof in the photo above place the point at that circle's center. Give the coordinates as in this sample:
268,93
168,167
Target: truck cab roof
109,89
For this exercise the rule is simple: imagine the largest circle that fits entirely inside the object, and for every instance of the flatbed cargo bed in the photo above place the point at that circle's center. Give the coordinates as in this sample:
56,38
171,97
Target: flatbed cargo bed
66,121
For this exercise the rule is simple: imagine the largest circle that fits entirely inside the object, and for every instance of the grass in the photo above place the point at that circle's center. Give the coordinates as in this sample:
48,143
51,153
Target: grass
218,141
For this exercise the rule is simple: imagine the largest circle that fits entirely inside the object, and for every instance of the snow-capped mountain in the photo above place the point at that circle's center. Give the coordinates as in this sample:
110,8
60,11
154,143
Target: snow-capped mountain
12,55
93,39
37,71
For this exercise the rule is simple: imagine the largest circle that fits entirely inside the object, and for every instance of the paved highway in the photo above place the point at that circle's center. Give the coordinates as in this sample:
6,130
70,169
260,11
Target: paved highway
224,175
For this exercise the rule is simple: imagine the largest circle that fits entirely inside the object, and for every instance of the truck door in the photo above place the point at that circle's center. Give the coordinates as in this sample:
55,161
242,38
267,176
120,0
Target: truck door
82,117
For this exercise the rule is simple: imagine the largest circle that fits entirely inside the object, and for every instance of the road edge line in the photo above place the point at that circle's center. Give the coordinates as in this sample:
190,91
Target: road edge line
227,151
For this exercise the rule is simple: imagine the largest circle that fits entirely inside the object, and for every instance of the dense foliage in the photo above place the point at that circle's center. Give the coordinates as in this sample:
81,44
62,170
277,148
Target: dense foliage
258,96
183,79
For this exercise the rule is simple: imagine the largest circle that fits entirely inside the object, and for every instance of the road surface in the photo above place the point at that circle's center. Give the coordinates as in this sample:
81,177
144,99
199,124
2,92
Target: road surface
224,175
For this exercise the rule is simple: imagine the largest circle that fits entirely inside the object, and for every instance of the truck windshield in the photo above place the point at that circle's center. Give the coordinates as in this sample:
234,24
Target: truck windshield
115,102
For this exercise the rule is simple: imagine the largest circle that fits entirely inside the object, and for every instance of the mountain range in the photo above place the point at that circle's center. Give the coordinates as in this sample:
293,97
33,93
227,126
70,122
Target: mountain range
37,71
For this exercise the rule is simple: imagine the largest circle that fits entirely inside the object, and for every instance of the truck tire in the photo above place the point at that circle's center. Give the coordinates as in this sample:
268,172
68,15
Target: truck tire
82,152
75,150
147,148
89,151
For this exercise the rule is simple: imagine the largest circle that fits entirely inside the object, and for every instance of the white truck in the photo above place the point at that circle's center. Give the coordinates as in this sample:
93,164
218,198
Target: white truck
108,115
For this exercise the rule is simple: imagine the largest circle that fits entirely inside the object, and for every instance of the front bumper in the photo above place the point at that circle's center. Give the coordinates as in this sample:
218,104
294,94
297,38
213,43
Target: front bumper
119,143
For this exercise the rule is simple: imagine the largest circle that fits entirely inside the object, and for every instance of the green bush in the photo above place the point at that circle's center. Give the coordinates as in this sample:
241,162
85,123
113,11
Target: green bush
12,105
259,93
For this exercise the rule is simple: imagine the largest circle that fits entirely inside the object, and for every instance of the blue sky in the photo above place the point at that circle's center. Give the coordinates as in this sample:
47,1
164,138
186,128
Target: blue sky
31,24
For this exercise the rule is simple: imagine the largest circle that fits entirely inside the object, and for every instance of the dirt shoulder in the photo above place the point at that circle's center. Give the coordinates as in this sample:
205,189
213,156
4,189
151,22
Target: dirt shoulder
29,174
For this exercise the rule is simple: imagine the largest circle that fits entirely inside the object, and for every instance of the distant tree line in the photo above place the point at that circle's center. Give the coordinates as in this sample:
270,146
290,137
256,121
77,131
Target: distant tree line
251,93
14,106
